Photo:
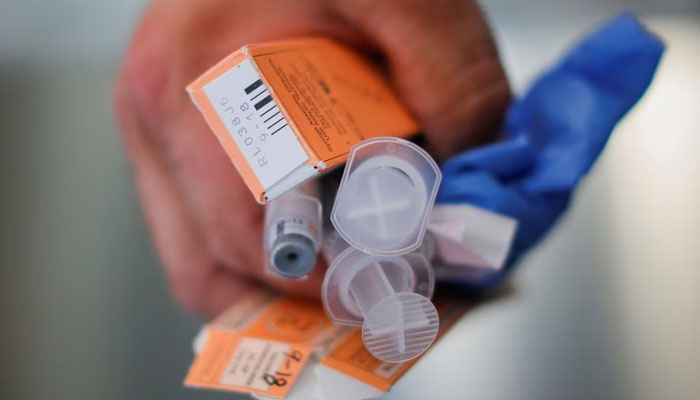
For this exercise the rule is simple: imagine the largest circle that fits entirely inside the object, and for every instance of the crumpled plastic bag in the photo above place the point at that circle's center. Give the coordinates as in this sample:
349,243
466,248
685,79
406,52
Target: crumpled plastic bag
554,134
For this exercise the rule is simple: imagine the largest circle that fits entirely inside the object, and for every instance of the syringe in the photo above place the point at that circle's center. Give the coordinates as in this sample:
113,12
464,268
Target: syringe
389,296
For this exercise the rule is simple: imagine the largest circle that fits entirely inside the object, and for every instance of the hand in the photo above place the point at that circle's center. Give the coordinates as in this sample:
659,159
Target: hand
206,226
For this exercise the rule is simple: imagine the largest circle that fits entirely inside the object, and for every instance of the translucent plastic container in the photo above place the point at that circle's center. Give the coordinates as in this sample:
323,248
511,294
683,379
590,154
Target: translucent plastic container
429,247
293,232
386,195
333,245
389,296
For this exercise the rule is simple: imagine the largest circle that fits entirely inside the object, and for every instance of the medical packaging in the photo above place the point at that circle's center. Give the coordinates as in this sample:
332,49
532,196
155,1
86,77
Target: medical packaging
261,344
285,112
275,346
463,241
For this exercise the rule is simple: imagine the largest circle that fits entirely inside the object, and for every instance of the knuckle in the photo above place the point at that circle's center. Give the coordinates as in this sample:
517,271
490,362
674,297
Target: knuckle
470,111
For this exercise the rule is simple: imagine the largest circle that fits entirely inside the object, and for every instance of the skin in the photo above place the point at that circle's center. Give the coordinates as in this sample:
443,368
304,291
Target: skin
439,55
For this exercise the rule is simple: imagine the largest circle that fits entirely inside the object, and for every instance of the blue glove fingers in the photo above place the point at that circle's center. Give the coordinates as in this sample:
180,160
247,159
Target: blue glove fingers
507,159
571,111
555,133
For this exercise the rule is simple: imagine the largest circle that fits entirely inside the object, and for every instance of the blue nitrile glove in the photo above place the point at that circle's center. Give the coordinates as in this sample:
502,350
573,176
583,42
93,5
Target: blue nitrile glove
554,134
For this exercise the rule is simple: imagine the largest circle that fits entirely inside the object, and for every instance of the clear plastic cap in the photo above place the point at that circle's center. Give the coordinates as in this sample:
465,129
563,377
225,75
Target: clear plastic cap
400,327
388,296
386,195
293,234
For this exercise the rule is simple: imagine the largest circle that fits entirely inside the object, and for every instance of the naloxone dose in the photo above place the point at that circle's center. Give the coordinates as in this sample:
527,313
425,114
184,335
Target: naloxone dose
293,232
285,112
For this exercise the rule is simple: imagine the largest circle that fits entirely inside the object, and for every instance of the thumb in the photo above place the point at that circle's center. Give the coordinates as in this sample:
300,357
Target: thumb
444,64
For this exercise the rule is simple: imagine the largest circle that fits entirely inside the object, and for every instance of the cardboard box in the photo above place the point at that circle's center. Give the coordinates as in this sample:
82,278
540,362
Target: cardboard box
285,112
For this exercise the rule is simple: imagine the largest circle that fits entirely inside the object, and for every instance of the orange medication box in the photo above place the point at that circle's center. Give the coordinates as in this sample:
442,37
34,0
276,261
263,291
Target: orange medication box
285,112
275,346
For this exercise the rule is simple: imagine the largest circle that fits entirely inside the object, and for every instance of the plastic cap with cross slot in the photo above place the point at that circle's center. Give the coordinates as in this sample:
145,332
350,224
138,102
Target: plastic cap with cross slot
389,296
385,196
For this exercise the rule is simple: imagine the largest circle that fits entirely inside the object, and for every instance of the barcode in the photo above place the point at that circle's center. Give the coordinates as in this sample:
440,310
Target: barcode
261,98
253,86
245,104
262,103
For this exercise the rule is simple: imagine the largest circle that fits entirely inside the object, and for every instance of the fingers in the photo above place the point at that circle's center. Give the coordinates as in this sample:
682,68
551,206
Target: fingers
211,190
197,282
222,207
198,187
206,225
444,64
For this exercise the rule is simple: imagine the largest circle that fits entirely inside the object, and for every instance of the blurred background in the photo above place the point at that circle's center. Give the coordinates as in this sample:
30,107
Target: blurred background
607,307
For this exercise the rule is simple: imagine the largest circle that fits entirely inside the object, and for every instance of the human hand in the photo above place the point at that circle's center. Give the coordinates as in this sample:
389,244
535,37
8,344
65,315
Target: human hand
206,226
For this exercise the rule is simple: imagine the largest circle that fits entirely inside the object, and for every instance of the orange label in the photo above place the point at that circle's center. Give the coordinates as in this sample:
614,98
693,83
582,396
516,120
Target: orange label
230,361
261,344
335,98
246,311
286,111
291,320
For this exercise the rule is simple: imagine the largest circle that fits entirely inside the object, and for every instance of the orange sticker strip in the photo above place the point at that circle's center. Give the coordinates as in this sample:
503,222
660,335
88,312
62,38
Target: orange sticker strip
232,362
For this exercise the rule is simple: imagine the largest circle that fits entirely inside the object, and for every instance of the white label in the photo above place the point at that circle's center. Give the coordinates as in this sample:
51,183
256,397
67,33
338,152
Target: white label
253,360
256,123
468,236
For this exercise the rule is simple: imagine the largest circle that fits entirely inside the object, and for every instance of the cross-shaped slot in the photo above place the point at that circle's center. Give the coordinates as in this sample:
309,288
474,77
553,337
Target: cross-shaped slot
371,286
379,208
